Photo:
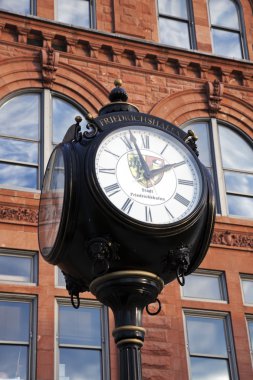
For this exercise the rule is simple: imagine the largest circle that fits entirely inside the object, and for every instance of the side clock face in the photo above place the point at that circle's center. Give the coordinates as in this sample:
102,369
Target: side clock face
52,202
148,175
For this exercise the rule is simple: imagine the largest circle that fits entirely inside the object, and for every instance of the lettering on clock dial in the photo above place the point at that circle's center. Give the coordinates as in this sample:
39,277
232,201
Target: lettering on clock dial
110,152
182,200
185,182
145,141
107,171
127,142
112,189
127,205
148,215
168,211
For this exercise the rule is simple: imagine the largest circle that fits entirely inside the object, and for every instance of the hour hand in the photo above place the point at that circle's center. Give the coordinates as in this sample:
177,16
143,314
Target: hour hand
165,168
141,158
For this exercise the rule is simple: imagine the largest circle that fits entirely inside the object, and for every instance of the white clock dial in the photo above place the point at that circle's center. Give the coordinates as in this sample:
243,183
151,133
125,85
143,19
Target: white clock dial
148,175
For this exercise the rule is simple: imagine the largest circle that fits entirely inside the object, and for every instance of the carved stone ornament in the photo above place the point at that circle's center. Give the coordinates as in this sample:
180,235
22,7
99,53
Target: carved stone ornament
232,239
214,93
19,214
50,59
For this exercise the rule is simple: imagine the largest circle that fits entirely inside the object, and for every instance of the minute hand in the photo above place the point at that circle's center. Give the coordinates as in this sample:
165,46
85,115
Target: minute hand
142,160
165,168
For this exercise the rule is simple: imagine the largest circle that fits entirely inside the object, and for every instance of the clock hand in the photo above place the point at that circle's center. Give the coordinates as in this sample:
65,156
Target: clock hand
165,168
142,160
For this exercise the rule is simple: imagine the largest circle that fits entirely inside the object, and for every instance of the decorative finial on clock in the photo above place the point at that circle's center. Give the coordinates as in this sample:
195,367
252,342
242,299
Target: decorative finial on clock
118,93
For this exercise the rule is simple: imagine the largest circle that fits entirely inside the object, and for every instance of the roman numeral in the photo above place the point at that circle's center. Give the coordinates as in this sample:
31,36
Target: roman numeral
172,217
182,200
108,151
145,141
127,143
164,149
148,215
185,182
107,171
178,164
112,189
127,205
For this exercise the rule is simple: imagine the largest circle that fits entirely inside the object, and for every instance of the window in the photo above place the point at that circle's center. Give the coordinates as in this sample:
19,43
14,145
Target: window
247,289
82,341
210,347
25,7
176,23
60,279
16,266
250,331
25,145
17,339
205,285
232,173
226,28
75,12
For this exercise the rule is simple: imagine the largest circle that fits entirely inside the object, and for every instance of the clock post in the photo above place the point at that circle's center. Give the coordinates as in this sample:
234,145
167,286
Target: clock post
126,207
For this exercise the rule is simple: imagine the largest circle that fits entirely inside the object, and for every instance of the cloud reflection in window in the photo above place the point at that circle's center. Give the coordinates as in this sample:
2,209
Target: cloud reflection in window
75,12
20,6
18,176
174,33
20,116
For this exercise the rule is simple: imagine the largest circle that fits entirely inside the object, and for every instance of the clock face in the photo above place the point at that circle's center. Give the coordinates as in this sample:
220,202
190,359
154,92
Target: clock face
148,175
51,203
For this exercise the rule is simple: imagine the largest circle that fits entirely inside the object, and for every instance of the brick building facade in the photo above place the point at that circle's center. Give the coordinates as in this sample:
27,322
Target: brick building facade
175,61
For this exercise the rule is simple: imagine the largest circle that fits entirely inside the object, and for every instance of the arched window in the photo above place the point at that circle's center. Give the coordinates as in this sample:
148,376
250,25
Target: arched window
228,154
176,23
31,124
227,28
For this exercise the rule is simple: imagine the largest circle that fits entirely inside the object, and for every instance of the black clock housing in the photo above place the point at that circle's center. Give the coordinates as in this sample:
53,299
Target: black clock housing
92,236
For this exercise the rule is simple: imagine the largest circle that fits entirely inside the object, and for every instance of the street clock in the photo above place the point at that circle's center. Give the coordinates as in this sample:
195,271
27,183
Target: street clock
129,193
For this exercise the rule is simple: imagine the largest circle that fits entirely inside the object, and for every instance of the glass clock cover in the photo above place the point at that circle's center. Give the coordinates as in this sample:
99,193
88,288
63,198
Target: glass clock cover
148,175
52,201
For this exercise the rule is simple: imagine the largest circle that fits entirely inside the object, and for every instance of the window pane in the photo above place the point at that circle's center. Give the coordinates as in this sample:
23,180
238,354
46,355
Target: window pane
60,278
227,43
21,6
203,143
176,8
242,157
64,115
14,321
203,286
15,150
19,176
209,369
240,206
76,364
239,183
16,269
13,362
224,13
247,286
82,327
250,327
20,116
74,12
174,33
206,336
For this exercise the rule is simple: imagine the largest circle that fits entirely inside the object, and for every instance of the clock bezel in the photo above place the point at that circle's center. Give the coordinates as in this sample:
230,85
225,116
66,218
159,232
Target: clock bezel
112,211
70,193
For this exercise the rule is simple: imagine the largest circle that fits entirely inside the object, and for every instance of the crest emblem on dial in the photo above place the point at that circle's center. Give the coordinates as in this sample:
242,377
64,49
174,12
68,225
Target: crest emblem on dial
137,171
